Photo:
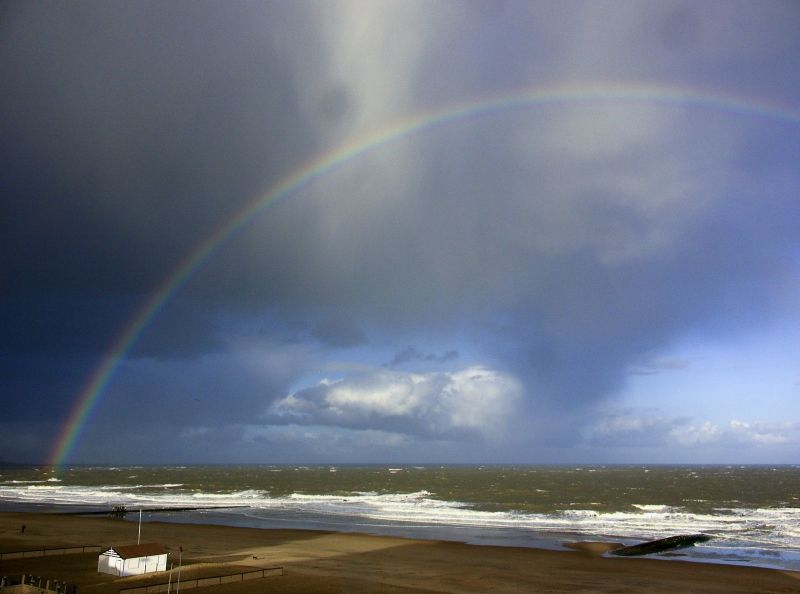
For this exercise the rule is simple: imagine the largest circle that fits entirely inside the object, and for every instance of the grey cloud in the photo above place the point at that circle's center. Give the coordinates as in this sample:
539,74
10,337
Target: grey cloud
629,429
560,243
412,354
133,133
189,392
338,332
658,365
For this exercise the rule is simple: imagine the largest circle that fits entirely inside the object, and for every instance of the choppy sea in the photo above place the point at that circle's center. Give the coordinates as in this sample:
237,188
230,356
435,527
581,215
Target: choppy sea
752,512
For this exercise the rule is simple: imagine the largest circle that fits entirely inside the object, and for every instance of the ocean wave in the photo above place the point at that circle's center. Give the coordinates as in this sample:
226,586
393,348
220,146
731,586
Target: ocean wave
18,482
247,494
134,487
773,527
654,508
167,495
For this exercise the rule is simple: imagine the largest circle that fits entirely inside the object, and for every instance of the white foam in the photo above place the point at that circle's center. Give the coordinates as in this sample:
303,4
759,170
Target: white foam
135,487
765,528
653,508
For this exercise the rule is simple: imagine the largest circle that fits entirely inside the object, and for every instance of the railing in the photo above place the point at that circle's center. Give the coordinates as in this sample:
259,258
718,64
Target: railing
49,552
205,581
35,585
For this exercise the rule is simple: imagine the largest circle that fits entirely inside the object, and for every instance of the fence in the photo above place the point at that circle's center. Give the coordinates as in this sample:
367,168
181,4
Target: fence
206,581
41,586
49,552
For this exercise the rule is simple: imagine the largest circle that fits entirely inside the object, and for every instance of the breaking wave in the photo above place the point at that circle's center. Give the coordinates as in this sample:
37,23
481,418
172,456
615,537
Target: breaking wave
768,536
773,527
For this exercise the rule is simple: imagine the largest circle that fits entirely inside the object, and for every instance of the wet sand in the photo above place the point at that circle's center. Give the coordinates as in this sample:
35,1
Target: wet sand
315,561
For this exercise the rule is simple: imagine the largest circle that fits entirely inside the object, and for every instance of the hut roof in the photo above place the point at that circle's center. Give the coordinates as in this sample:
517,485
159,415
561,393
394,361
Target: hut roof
141,550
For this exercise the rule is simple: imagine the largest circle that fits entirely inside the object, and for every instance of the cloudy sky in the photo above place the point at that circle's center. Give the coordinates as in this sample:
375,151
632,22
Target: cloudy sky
591,279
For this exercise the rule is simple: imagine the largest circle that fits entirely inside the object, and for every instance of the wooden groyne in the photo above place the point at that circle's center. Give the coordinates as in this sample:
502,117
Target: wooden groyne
122,511
662,545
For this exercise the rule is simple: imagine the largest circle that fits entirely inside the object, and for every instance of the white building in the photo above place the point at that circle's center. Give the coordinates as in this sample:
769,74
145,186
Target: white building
133,559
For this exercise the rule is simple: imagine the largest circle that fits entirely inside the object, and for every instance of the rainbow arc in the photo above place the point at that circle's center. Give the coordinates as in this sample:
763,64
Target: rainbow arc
290,185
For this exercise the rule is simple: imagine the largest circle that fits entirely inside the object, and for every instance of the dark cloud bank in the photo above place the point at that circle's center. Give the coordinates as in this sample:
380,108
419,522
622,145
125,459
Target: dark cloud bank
553,249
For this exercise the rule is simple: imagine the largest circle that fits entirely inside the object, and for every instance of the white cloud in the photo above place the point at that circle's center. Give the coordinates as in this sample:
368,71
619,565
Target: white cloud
691,435
629,428
474,400
764,434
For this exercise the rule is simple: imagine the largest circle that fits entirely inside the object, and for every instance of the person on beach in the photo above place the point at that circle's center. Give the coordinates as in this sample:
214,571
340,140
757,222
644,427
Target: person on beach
23,529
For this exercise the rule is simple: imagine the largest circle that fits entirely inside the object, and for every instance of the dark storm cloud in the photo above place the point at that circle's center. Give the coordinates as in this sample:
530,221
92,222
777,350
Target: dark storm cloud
37,388
562,245
583,275
132,132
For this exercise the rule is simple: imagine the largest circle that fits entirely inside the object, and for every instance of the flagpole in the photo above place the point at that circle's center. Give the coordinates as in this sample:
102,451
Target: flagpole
180,559
139,539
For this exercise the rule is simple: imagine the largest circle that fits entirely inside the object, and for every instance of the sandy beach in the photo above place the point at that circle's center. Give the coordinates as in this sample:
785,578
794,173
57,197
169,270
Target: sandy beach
315,561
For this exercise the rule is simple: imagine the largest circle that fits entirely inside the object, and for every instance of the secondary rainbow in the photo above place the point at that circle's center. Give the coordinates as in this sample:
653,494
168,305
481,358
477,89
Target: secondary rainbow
323,164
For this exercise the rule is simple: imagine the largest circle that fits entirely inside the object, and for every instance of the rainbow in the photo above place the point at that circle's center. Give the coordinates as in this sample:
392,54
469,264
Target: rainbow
323,164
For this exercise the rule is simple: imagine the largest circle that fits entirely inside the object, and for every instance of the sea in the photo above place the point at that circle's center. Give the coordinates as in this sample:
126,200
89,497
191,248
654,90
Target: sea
752,513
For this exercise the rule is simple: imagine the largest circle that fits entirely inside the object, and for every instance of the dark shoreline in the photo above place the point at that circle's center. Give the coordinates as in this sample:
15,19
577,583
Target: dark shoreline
323,561
468,535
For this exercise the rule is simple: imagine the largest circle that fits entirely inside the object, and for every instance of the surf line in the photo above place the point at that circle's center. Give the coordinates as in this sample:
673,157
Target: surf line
331,160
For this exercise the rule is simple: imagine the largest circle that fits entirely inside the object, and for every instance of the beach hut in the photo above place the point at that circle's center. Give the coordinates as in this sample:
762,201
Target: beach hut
133,559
